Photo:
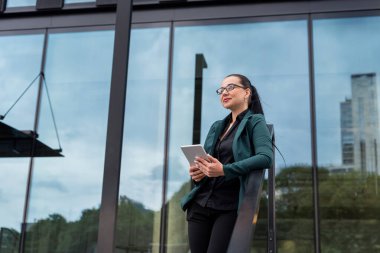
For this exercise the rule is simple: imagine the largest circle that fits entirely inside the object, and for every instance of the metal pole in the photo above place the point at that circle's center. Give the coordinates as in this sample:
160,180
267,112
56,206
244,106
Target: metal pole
313,137
200,64
112,163
272,233
164,208
31,161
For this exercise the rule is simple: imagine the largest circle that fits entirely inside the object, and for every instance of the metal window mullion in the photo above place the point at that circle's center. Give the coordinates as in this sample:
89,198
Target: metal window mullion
164,209
317,242
115,128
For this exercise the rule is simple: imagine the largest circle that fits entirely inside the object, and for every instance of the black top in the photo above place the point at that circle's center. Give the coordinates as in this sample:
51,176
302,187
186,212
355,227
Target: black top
217,193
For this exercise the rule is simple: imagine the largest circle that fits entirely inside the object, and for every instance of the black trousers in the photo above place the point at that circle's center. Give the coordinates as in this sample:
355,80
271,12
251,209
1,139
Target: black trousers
209,229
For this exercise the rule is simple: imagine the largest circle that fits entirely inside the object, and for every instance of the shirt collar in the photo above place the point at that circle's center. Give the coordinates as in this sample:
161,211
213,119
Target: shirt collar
239,117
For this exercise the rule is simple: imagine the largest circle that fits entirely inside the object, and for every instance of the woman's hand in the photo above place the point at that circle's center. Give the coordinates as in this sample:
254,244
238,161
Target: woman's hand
210,167
195,173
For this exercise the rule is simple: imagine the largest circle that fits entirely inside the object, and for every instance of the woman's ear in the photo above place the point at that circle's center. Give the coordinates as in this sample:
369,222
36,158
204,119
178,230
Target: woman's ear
248,92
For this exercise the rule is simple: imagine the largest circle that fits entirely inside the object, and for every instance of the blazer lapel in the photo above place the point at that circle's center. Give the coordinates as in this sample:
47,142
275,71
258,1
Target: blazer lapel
214,138
240,129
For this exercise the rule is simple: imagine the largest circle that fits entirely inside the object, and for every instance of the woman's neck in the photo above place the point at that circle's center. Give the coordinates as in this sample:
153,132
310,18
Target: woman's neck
236,112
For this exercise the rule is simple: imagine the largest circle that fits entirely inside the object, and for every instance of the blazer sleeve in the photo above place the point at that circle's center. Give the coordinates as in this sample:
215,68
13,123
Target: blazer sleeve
263,156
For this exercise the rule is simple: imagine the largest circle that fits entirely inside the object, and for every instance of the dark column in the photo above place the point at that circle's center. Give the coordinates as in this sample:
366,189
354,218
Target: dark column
200,64
111,178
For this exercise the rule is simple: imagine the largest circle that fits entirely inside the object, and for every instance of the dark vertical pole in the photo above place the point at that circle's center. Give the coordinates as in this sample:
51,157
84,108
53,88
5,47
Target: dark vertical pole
200,64
112,163
376,169
31,161
313,136
164,209
272,235
1,239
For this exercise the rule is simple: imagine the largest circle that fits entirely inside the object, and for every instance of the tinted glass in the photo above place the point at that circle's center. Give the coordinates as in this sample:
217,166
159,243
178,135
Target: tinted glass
20,63
347,69
20,3
66,191
141,181
277,65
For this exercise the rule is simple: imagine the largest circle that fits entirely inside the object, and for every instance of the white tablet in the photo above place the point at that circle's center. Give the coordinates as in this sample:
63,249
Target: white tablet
191,151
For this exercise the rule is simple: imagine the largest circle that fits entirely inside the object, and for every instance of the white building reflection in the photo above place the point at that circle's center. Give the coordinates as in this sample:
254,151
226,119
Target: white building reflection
359,125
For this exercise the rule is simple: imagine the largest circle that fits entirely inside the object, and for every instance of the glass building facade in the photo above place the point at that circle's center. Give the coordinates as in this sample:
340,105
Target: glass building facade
316,66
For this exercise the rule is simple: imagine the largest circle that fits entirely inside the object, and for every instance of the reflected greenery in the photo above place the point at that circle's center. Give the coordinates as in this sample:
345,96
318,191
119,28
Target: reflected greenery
350,219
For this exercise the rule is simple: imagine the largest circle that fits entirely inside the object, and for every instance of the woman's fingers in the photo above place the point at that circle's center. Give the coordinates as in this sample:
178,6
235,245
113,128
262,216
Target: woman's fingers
195,173
198,177
212,168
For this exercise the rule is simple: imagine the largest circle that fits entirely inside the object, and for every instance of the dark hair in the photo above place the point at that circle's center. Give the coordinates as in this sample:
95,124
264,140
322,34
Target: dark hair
254,103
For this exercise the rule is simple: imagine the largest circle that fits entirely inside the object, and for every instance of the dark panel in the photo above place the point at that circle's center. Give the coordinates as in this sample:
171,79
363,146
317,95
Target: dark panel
2,5
49,4
15,143
105,2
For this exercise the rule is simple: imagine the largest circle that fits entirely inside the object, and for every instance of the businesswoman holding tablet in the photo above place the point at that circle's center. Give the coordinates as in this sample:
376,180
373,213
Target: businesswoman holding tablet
236,145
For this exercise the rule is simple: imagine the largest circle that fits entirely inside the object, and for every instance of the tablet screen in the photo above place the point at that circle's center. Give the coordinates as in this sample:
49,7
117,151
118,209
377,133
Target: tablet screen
191,151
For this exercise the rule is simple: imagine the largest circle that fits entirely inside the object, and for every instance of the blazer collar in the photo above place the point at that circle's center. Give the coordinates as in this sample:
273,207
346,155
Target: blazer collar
222,124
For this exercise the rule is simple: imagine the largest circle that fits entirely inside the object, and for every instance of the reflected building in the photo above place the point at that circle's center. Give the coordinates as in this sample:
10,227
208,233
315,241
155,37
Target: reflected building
359,124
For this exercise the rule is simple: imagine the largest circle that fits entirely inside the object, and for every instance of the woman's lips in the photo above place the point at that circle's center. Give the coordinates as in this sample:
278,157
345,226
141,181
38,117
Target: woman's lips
226,100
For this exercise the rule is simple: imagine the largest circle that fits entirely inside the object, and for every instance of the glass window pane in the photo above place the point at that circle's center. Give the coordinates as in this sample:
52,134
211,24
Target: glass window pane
141,181
347,69
278,66
21,3
20,63
66,191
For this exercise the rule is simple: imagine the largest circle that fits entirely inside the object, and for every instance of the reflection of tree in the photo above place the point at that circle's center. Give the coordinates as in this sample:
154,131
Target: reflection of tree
135,226
8,240
350,218
54,234
177,227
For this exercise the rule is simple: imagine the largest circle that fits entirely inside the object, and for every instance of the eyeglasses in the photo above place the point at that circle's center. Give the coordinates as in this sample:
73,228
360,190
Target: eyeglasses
228,88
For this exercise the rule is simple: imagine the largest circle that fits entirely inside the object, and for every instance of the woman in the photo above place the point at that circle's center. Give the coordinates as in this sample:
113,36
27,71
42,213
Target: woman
236,145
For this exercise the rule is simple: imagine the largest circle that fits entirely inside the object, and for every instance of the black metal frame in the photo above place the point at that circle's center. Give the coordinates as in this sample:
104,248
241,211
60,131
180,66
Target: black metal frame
244,228
148,14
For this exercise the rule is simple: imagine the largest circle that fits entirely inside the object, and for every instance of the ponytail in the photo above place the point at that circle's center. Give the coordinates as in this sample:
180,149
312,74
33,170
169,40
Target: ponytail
254,104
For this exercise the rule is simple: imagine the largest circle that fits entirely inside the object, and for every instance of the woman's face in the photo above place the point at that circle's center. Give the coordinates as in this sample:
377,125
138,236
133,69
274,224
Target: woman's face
237,98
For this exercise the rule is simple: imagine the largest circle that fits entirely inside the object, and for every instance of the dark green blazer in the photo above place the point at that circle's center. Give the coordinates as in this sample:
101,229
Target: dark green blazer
251,147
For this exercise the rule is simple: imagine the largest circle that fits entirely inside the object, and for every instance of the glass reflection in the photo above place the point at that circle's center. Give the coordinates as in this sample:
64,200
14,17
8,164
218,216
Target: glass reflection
21,3
347,94
280,73
141,181
20,62
66,192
